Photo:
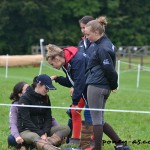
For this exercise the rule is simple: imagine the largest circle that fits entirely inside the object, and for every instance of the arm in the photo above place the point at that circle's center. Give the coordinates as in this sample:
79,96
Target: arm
64,81
13,124
13,121
78,68
108,67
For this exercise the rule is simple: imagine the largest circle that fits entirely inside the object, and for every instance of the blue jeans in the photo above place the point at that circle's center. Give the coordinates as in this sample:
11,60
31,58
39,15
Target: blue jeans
12,143
87,115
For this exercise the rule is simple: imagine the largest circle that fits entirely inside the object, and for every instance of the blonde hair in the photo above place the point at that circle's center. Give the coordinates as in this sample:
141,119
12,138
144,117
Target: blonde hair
53,51
98,24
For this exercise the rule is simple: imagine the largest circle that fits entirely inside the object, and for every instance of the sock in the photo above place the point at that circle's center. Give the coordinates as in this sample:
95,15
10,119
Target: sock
77,120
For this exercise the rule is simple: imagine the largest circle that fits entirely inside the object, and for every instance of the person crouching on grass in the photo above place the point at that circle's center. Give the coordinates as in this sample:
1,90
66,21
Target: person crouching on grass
35,123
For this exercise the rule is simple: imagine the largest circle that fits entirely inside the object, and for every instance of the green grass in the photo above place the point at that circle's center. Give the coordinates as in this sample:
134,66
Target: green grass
131,127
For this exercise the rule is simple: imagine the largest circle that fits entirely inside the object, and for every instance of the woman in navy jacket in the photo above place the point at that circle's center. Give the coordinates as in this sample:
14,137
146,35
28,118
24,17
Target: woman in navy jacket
74,64
85,46
101,80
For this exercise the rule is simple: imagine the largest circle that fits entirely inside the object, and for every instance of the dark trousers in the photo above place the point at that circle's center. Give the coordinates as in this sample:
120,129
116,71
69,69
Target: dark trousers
12,143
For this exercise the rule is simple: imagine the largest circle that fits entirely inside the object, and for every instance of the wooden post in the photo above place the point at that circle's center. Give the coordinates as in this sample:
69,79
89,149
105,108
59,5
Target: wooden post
142,62
130,56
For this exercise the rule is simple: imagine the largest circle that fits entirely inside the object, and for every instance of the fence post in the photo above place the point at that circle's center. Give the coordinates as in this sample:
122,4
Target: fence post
6,75
118,73
130,56
142,60
138,76
41,65
41,46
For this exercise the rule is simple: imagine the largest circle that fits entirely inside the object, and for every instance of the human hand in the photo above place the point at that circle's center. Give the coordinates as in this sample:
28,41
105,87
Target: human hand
114,91
19,140
53,77
44,137
71,91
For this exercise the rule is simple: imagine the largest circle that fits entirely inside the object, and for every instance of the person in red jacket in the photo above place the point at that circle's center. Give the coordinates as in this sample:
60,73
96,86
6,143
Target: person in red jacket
74,64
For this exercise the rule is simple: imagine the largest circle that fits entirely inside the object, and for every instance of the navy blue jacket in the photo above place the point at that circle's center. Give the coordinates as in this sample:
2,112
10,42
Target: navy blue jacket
101,68
88,49
76,71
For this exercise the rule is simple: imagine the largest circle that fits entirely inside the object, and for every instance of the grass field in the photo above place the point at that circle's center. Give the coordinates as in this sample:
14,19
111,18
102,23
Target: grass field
132,127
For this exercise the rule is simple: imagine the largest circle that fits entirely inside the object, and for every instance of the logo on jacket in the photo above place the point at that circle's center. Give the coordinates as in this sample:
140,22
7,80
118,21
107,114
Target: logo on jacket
113,47
81,46
106,62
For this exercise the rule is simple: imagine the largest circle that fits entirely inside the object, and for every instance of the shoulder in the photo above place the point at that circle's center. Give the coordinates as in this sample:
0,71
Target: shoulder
79,58
24,99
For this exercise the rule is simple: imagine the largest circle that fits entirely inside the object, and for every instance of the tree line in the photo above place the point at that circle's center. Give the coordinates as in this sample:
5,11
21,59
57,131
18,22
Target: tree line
24,22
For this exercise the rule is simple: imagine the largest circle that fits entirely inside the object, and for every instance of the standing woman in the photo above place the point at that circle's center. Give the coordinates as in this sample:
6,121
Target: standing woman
101,80
85,46
35,123
74,64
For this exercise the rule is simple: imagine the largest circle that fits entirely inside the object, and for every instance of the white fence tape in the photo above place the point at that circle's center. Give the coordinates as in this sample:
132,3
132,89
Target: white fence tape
57,107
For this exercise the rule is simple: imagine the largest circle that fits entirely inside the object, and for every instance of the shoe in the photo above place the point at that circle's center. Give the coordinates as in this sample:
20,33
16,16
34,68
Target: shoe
90,148
124,147
71,149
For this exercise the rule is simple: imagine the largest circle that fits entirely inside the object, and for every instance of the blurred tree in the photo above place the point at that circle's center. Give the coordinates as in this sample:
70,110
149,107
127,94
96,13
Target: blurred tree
24,22
131,24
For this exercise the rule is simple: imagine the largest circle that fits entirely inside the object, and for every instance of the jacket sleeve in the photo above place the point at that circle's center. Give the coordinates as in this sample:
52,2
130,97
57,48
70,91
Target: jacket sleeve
25,117
78,67
13,121
64,81
108,68
48,119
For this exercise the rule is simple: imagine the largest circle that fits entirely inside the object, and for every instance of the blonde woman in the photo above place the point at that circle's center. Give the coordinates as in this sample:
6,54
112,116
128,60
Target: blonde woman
74,64
101,80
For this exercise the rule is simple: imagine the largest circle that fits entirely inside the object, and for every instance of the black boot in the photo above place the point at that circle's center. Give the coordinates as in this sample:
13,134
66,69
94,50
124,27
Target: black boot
98,133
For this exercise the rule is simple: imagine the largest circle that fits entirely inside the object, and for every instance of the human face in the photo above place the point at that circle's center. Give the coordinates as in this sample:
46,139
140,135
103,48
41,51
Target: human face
91,36
82,26
23,90
41,89
56,62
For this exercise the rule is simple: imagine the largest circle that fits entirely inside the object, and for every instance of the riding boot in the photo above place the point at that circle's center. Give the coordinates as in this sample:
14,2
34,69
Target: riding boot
86,134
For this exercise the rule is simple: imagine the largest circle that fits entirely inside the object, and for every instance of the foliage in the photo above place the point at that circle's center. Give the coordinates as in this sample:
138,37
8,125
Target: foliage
24,22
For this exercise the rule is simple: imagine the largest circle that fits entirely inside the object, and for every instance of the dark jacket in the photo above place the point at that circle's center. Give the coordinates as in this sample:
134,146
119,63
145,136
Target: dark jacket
75,68
101,68
37,120
85,46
